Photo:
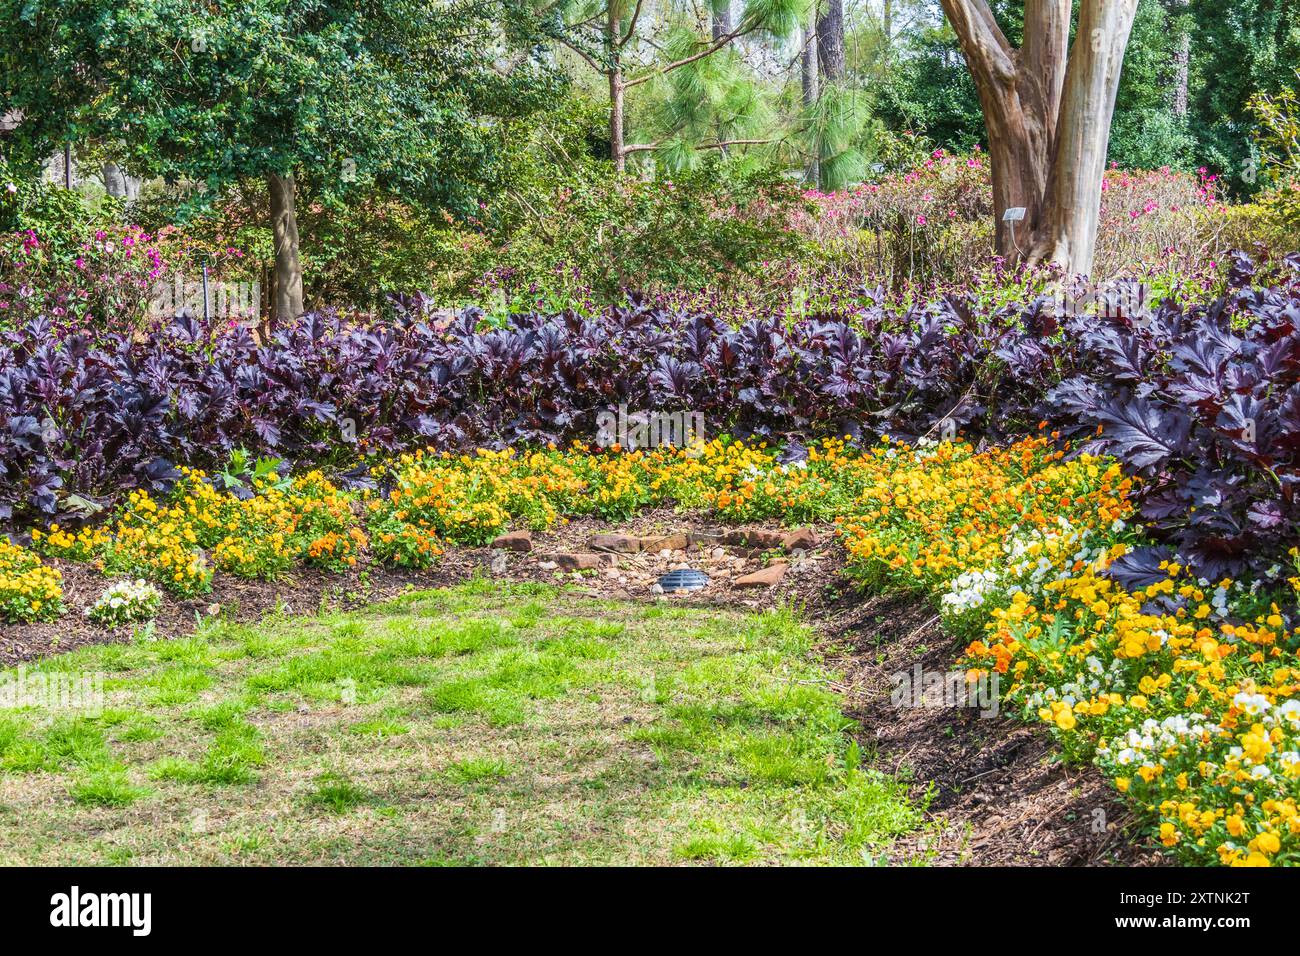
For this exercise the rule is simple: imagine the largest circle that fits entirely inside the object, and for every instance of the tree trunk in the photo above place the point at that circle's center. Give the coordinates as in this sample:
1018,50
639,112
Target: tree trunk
1068,237
114,180
887,19
1047,114
722,24
1181,60
810,95
120,184
830,40
616,144
1176,19
288,264
1019,94
615,76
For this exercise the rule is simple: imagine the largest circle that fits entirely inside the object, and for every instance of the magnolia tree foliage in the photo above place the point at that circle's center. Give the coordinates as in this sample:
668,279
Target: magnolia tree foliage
398,94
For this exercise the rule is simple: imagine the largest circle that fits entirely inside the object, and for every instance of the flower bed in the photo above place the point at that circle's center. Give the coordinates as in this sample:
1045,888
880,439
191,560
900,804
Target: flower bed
125,602
1185,691
29,590
1203,401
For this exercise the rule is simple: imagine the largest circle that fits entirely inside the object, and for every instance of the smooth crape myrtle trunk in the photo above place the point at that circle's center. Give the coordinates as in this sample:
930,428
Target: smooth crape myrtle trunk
1068,234
287,303
1047,111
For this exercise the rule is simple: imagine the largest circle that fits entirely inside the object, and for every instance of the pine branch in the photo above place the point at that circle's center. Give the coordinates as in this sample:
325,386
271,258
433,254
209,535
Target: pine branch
631,27
711,49
723,144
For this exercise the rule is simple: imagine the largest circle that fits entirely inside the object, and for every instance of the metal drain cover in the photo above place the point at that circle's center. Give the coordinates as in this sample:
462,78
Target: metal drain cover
683,579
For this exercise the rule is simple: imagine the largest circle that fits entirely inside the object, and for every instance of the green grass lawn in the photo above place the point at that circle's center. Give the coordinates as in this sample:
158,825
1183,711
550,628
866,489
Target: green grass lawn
485,724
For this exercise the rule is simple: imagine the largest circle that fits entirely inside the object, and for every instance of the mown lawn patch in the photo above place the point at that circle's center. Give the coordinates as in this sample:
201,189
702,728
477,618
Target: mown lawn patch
486,724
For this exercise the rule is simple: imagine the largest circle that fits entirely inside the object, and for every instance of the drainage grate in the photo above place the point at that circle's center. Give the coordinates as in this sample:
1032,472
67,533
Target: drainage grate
684,579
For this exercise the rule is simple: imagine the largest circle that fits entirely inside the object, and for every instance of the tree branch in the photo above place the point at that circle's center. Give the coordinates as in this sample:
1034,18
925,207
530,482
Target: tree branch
582,53
982,40
712,48
1046,49
723,144
631,27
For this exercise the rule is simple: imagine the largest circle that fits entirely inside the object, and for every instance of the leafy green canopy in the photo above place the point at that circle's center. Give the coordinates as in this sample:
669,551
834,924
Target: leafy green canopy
399,94
1239,49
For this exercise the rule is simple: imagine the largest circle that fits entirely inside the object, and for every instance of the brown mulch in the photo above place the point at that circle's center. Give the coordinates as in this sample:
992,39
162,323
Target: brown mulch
996,785
997,791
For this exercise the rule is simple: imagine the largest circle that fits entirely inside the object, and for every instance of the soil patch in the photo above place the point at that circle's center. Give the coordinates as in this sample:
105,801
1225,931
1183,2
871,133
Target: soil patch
998,787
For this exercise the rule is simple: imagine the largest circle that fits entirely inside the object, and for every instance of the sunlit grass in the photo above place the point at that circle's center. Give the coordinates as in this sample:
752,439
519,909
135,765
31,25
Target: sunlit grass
485,724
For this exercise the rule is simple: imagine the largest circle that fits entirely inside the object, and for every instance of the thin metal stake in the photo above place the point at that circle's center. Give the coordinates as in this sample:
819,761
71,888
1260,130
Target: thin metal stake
206,317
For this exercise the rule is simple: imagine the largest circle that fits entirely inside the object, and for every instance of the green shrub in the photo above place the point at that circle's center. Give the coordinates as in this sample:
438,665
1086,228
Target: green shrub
710,228
1278,137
